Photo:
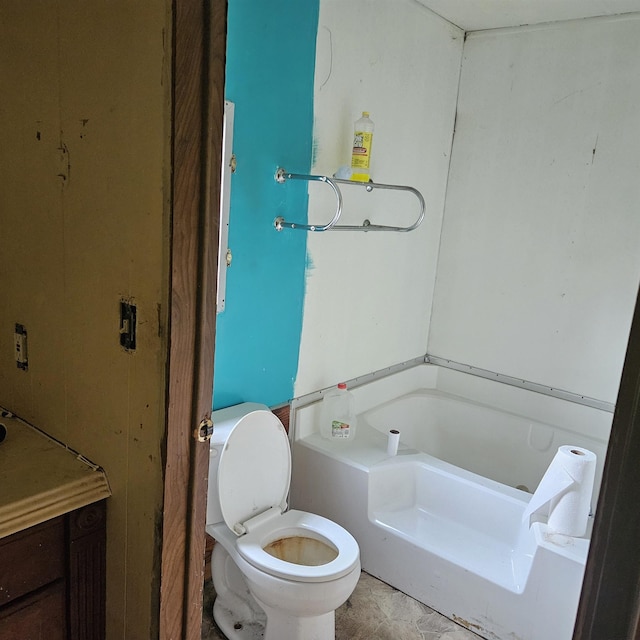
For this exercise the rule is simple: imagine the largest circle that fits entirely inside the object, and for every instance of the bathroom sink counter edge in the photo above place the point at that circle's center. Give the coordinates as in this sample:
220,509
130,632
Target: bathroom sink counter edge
41,479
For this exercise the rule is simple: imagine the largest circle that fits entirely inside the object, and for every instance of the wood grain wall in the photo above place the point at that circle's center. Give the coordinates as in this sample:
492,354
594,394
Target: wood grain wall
84,217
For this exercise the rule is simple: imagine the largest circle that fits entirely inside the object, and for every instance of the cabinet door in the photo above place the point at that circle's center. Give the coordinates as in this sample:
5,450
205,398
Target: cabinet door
40,616
31,559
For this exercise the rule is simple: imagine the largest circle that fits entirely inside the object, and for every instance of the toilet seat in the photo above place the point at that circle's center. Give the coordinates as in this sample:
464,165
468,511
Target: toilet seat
254,474
254,471
307,525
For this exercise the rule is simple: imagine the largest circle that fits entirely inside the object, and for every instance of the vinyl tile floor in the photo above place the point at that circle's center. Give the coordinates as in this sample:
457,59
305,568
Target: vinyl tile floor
375,611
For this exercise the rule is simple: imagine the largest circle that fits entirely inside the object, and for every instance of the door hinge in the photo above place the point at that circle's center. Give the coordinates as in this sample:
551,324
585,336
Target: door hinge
204,431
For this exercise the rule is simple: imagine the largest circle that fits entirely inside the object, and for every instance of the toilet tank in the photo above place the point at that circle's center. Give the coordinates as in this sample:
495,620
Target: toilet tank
224,420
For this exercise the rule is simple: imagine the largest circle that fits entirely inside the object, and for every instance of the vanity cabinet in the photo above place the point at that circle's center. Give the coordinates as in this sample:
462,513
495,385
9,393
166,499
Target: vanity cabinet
52,578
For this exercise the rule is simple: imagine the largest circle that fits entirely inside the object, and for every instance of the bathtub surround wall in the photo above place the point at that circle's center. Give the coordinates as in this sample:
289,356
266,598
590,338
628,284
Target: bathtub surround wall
368,297
537,271
270,66
539,268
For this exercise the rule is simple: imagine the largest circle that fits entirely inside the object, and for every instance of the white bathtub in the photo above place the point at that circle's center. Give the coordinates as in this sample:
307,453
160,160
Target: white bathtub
442,520
497,444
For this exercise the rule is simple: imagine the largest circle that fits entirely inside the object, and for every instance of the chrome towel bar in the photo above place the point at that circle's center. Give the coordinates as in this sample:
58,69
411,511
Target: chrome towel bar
280,223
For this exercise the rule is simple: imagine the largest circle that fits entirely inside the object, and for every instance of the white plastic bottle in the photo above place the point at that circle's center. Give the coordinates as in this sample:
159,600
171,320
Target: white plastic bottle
337,415
361,150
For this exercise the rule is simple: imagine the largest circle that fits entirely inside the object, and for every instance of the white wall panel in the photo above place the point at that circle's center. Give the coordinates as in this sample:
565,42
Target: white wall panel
472,15
368,296
540,262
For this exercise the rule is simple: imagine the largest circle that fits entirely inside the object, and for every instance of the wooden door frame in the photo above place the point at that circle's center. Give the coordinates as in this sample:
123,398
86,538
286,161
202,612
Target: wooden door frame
198,65
609,606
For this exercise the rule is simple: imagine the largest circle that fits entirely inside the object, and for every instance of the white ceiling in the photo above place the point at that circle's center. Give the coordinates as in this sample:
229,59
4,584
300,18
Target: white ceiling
473,15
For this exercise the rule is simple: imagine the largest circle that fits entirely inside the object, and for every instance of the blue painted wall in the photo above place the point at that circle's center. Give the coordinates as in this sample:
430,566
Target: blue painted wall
270,68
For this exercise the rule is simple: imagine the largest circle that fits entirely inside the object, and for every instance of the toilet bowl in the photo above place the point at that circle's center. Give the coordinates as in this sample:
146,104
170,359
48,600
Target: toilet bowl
278,574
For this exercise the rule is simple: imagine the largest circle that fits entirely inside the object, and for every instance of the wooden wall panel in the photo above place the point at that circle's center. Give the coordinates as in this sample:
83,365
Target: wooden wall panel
84,216
86,534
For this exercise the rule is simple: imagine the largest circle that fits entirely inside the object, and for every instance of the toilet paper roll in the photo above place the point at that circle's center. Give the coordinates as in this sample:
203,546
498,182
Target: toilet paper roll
392,442
566,489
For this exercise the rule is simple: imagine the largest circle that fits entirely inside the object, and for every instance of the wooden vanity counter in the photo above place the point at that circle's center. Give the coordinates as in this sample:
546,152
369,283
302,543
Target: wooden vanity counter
52,539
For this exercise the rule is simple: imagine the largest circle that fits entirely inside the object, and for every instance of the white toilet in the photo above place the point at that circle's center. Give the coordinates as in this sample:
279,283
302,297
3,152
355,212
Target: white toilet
278,575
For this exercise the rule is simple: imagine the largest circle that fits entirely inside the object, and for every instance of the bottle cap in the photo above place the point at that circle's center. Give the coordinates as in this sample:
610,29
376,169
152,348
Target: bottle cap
342,385
365,114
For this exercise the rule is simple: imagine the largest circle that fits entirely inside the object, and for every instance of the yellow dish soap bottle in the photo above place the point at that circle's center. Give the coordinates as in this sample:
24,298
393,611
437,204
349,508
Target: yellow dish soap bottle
361,152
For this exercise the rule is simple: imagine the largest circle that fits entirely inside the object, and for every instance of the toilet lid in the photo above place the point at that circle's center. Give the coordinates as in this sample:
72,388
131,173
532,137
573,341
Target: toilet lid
254,471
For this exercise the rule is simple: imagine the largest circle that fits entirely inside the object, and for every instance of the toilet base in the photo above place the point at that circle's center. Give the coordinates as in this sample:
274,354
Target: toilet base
235,610
303,628
277,627
233,627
